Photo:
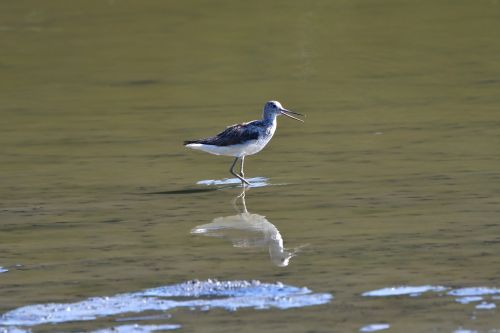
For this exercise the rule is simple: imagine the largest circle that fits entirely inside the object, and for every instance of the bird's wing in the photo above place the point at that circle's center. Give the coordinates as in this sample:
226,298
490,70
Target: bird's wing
233,135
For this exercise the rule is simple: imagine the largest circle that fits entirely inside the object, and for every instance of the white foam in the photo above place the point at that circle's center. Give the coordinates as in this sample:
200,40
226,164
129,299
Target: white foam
229,295
136,328
374,327
13,329
486,306
463,330
403,290
468,299
474,291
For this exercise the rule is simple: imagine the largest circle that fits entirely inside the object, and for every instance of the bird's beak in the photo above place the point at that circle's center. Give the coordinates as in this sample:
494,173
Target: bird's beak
289,113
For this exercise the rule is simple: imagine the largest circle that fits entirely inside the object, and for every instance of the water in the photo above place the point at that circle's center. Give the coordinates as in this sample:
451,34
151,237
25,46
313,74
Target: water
392,182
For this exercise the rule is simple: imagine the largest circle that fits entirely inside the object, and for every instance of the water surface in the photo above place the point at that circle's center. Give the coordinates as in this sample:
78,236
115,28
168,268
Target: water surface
392,182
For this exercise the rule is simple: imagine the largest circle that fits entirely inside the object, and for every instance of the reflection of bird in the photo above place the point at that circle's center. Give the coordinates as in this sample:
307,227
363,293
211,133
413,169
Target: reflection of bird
244,139
249,231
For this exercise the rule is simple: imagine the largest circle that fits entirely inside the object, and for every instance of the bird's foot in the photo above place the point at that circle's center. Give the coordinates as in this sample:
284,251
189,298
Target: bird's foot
243,181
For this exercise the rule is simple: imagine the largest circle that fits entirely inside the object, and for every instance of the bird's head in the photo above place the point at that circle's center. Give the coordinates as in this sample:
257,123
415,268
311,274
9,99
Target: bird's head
274,108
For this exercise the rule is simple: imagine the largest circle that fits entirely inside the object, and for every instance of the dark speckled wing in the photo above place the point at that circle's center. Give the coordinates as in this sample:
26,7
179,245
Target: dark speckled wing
232,135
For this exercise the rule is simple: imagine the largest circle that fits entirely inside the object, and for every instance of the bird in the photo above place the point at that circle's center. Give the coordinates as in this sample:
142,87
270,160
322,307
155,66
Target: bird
244,139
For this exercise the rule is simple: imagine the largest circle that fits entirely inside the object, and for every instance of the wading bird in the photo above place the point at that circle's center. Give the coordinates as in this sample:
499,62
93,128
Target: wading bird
244,139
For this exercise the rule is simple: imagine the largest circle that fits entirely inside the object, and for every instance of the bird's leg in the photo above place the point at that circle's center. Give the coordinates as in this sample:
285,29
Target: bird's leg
231,170
242,174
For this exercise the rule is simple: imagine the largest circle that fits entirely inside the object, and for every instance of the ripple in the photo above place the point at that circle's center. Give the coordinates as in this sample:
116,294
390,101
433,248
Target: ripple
254,182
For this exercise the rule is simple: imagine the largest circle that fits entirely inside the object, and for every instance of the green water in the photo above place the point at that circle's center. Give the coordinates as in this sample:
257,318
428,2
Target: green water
392,180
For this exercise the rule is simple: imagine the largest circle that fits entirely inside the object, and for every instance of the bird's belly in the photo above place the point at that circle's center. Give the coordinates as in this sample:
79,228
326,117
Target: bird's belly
243,149
253,147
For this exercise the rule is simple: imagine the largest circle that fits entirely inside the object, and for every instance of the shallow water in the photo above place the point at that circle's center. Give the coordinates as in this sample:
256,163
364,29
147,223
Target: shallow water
390,187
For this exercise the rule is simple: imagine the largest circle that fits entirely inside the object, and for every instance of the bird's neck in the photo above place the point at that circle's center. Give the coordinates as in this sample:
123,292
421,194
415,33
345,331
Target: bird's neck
269,118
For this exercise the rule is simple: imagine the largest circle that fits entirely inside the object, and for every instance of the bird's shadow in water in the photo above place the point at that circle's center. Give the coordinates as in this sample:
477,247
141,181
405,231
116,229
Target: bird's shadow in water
248,230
